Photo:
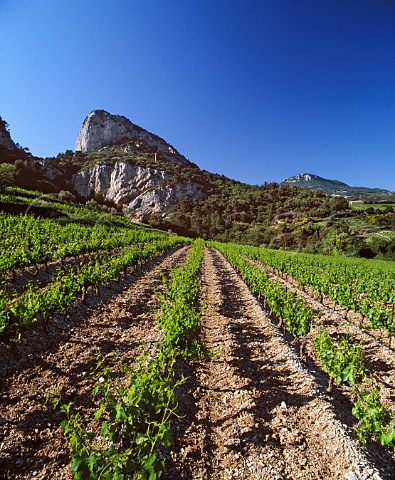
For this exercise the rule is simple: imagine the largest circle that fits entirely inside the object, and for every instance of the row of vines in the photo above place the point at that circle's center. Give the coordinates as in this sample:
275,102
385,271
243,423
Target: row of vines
96,254
362,286
28,240
342,359
134,409
133,418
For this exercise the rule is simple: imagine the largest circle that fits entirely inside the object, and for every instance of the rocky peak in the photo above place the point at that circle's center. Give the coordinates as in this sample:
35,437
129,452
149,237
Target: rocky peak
302,177
102,129
309,178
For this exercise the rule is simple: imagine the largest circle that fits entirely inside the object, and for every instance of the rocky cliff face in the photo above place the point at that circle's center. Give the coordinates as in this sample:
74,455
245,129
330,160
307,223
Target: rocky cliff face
143,190
160,199
5,137
101,129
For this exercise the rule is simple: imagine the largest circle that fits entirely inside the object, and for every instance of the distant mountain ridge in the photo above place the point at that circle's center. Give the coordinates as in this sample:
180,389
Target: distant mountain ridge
310,177
336,187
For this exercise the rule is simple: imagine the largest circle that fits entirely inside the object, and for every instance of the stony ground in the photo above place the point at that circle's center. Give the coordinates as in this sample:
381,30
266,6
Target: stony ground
254,411
250,411
119,322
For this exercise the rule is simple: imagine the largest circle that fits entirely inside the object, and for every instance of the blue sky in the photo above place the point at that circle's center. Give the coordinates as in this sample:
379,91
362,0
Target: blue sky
255,90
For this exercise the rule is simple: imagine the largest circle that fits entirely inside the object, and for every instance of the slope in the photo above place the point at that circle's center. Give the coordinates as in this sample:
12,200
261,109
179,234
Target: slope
335,187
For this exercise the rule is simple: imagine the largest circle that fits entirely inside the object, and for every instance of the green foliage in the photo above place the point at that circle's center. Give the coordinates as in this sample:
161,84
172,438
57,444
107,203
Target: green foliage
228,210
342,360
7,173
342,242
66,196
374,419
383,247
269,214
99,207
293,312
297,315
93,248
178,316
36,304
134,421
134,412
361,285
29,240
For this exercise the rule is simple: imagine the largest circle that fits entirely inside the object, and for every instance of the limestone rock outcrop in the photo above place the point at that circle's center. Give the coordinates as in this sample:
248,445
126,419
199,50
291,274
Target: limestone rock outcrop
142,190
119,179
161,199
101,129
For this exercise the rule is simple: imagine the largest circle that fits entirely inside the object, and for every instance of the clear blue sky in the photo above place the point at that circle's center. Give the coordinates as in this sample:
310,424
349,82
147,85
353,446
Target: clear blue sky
257,90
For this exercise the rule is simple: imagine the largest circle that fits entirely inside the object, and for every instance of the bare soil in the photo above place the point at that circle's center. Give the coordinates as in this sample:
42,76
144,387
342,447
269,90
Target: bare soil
59,357
254,411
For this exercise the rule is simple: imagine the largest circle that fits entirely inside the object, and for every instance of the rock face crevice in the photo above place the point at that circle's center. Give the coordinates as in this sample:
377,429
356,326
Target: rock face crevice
119,183
143,190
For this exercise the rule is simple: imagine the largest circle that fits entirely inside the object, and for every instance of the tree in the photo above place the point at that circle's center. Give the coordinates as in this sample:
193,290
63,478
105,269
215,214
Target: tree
66,196
7,172
4,124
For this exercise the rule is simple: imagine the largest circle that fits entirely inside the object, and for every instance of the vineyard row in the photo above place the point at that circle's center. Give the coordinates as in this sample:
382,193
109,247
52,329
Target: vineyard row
36,304
27,240
135,411
342,360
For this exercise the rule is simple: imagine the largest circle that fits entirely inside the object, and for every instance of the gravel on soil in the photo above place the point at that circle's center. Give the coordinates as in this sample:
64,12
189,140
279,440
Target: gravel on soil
59,357
254,411
251,410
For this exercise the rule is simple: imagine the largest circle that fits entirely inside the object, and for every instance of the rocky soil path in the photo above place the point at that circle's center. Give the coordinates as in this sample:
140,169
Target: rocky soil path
59,357
254,411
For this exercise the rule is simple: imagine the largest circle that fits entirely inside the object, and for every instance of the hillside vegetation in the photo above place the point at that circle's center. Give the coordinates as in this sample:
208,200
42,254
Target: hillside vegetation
230,210
271,214
219,208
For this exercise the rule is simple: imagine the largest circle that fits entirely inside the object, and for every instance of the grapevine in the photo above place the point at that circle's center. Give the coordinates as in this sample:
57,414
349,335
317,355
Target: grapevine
135,411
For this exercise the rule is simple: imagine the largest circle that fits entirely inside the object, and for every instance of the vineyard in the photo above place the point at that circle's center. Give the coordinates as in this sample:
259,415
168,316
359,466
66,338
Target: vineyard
132,353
